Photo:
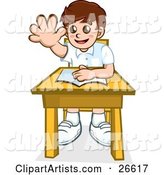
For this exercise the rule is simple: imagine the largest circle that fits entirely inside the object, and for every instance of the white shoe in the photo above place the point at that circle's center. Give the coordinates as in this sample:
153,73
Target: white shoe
68,132
101,133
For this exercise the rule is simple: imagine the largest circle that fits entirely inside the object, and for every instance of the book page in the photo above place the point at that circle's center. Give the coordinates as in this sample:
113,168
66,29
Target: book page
66,76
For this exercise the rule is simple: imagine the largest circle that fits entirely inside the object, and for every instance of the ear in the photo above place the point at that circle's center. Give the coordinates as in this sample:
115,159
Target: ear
101,32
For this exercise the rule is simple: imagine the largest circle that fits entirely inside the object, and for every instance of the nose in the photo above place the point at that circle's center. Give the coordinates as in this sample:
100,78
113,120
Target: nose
78,35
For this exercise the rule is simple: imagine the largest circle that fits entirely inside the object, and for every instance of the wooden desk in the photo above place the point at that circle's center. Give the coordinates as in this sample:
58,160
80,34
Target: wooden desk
64,95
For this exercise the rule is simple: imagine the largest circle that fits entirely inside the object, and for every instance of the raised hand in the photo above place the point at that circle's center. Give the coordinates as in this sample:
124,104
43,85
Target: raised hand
45,31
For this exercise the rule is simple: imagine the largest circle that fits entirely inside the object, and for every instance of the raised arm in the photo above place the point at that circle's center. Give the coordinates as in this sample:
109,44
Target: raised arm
45,33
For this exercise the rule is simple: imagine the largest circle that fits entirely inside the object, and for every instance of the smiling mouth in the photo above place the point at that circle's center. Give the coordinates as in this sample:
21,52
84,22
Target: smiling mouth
81,41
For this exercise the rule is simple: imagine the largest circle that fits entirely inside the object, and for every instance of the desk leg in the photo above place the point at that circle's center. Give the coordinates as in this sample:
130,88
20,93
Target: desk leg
116,131
108,116
51,132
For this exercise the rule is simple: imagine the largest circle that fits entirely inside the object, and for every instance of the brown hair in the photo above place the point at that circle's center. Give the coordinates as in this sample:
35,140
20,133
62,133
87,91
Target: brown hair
85,11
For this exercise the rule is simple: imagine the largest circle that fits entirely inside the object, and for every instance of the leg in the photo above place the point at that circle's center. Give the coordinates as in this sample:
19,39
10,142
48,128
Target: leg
73,110
98,116
108,114
69,110
117,142
70,128
99,129
51,131
98,111
72,115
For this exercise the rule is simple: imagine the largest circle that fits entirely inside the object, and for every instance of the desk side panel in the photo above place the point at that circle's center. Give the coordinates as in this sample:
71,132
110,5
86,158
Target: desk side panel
82,101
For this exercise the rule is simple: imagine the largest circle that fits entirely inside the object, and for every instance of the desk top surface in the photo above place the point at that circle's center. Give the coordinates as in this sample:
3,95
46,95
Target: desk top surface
115,86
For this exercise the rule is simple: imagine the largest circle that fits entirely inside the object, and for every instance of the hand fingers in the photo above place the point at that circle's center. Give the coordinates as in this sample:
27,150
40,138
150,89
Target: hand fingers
52,22
42,22
80,78
76,75
82,67
76,72
34,38
61,32
34,29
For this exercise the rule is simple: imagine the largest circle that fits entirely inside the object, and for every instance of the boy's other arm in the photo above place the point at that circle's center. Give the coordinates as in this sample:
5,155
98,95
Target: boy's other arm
45,33
106,72
87,74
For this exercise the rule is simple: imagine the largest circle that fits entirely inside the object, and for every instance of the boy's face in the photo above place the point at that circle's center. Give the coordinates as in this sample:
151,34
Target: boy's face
82,35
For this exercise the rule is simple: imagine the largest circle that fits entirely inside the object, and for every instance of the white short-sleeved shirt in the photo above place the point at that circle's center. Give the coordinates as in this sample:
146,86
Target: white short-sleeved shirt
98,55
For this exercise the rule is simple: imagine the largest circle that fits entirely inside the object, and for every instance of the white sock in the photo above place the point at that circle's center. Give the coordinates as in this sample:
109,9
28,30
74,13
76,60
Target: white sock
73,117
97,118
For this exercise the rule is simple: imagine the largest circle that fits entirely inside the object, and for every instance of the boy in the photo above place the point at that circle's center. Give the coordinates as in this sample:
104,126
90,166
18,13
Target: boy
83,23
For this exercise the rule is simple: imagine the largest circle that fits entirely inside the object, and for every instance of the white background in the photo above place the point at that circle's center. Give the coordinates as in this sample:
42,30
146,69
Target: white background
138,56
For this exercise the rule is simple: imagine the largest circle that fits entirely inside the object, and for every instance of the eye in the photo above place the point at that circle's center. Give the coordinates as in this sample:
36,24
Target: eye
86,29
73,29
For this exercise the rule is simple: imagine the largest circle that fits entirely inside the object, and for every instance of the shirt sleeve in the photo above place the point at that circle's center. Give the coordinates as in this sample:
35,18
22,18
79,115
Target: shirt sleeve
107,55
68,57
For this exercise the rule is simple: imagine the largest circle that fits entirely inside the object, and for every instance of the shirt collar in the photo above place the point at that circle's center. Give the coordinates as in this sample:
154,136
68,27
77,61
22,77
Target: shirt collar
89,51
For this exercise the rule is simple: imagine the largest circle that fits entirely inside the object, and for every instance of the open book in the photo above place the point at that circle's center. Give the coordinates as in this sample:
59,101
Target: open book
66,76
